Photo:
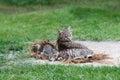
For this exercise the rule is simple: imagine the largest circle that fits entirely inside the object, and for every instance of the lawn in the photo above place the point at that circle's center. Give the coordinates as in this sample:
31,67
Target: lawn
90,20
28,71
20,26
59,72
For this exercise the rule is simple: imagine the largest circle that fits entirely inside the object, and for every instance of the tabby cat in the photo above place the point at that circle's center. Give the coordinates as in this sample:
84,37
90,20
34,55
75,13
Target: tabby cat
68,48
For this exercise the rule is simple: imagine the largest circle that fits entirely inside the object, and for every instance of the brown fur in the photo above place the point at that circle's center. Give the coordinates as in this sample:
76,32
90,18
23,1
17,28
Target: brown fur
95,58
36,51
32,54
38,56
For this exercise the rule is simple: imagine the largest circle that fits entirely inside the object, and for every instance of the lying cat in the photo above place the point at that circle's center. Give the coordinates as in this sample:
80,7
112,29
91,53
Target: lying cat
68,48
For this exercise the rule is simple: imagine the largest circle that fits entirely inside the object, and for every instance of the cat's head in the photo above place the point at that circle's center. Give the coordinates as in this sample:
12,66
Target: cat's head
65,35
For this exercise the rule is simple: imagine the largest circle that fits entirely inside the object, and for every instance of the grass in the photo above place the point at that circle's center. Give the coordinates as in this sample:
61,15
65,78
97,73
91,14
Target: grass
58,72
89,22
35,2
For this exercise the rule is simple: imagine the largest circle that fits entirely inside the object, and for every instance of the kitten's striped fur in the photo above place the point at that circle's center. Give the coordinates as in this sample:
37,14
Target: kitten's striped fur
43,50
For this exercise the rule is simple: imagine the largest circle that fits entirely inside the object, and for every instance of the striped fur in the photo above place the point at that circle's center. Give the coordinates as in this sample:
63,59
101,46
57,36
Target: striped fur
67,48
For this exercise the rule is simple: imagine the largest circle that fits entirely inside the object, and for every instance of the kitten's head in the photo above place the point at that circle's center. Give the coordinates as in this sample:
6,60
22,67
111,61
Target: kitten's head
35,47
65,35
54,56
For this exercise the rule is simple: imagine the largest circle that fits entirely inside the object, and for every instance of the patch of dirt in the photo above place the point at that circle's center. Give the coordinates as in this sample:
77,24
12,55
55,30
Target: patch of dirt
109,47
112,48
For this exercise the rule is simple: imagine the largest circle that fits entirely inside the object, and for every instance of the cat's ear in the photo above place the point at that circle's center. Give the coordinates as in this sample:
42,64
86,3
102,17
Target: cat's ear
69,28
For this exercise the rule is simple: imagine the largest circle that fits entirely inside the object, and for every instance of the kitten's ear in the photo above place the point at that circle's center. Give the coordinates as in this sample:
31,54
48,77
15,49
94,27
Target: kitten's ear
59,31
69,28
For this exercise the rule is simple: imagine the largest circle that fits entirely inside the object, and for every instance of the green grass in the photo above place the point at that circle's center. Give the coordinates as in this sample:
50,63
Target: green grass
90,20
58,72
34,2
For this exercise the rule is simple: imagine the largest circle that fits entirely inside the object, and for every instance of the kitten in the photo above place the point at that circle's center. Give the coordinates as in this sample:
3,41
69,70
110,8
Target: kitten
49,51
44,50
